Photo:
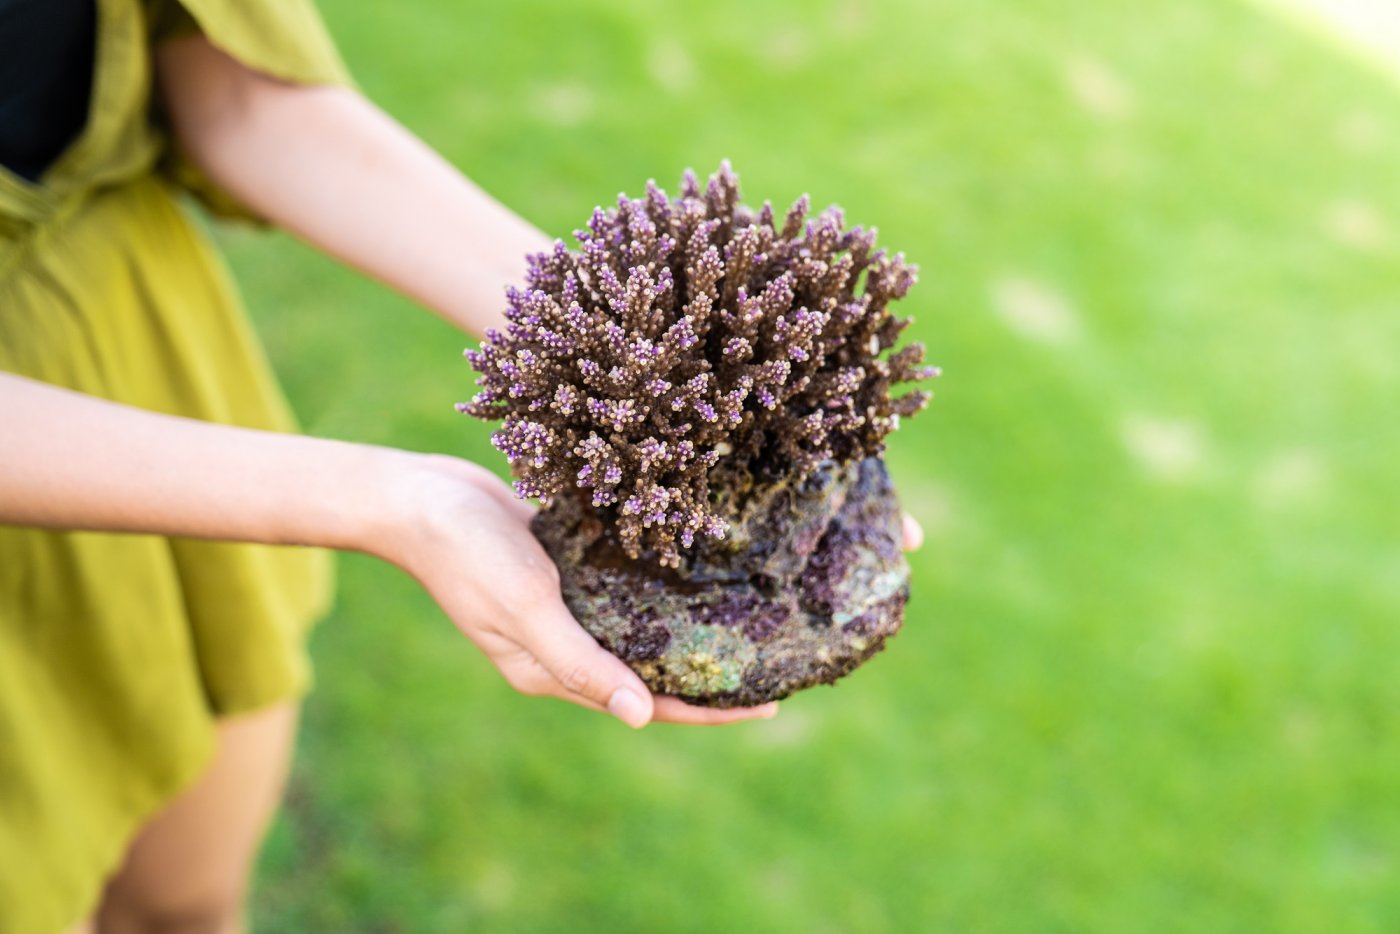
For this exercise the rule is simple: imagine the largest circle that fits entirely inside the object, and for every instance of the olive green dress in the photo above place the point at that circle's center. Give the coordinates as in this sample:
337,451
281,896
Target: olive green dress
118,652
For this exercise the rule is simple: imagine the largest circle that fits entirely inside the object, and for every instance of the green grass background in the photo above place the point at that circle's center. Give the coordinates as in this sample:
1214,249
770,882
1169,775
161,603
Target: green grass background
1149,675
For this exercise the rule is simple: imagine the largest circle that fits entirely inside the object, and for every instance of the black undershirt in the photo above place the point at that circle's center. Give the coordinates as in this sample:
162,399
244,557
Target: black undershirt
47,49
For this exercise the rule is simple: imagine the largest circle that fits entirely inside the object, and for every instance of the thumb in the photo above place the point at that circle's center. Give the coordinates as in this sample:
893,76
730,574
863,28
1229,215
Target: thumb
589,674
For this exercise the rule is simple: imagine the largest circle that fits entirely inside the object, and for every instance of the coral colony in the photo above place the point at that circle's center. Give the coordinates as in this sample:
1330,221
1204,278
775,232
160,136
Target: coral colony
699,396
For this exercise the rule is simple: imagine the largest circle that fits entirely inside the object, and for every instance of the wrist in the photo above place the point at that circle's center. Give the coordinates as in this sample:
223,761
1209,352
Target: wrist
400,502
370,503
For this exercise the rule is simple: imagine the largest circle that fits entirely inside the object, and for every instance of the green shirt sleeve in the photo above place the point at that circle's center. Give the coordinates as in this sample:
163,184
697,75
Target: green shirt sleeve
285,39
282,38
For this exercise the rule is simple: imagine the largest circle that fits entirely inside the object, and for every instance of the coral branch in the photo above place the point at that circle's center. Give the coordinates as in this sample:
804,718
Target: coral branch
690,342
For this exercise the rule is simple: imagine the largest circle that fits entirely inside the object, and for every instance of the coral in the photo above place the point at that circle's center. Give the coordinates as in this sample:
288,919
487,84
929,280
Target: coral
690,350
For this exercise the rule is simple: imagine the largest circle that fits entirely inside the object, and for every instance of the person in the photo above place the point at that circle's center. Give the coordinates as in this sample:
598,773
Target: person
160,521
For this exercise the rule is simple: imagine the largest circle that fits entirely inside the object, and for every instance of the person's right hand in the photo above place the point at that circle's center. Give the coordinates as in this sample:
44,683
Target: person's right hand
466,538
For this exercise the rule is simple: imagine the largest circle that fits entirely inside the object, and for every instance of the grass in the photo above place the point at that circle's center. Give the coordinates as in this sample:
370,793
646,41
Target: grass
1147,680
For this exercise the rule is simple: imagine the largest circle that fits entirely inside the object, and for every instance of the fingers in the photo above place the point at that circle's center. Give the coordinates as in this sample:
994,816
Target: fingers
533,678
913,533
527,675
585,672
675,710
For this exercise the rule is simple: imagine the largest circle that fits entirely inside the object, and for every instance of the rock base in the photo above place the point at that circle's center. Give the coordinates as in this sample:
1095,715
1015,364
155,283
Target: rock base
808,584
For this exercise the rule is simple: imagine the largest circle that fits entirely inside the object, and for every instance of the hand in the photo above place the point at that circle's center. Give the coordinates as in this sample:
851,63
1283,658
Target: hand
466,538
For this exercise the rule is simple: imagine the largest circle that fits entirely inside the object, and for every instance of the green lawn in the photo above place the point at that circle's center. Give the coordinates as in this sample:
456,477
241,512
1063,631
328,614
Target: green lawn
1150,678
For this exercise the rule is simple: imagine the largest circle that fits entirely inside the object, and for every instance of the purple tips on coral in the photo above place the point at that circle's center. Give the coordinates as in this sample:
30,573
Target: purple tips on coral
695,319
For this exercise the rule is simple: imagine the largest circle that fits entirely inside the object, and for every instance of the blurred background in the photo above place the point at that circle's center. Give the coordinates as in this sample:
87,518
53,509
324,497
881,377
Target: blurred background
1148,679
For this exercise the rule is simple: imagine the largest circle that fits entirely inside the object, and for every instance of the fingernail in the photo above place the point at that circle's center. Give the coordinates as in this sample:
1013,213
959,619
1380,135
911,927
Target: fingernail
770,710
628,707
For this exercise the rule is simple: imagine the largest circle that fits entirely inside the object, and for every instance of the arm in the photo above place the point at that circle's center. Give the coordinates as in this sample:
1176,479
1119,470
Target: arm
74,462
329,166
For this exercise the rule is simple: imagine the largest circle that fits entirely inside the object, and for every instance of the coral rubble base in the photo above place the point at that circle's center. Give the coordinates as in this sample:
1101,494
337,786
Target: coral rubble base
811,584
699,397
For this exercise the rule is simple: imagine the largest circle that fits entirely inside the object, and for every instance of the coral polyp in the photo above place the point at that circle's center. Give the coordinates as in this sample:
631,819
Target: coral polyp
690,347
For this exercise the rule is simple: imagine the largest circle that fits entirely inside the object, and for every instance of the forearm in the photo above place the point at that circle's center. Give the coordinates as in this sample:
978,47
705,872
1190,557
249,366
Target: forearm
75,462
329,166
